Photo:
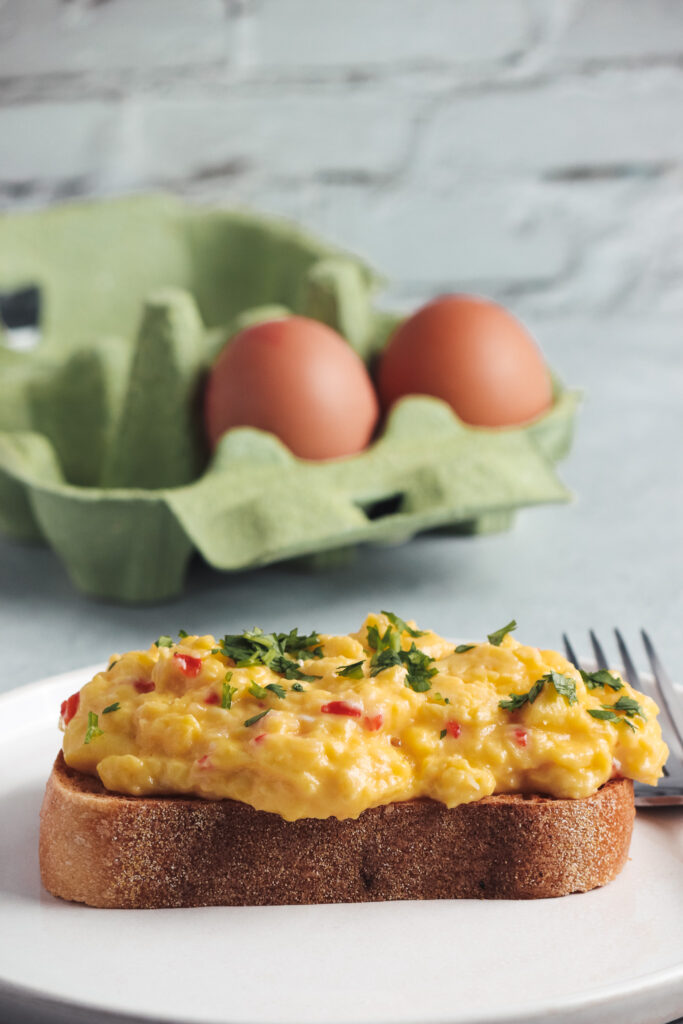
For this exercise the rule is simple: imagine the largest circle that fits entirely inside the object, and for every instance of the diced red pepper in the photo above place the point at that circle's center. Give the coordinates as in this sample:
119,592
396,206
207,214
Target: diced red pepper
144,685
189,666
70,707
204,762
212,698
520,737
453,729
341,707
373,722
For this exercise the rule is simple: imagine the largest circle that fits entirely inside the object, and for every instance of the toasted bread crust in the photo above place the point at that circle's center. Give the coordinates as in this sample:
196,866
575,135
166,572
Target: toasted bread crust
108,850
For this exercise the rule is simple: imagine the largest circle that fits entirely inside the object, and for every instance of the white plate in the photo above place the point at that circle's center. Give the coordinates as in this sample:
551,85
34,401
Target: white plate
611,956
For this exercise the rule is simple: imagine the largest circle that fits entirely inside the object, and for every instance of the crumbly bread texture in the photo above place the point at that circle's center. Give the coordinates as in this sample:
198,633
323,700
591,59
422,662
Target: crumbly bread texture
107,850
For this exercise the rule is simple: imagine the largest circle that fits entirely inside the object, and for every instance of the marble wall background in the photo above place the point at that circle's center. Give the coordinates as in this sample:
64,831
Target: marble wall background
528,149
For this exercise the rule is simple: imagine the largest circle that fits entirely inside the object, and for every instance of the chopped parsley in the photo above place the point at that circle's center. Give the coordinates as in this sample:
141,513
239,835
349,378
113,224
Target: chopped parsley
564,685
382,660
601,678
352,671
111,707
387,646
93,730
442,733
228,692
401,625
262,691
255,647
496,638
438,698
629,706
257,718
306,646
164,641
298,687
182,634
112,663
390,640
607,715
420,667
462,648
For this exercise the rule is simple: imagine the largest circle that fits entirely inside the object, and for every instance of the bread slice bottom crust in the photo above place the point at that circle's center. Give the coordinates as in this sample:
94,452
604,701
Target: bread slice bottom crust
108,850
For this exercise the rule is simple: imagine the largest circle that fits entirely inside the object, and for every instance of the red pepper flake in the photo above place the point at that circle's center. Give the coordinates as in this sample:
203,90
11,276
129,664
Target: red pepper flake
204,762
212,698
70,707
373,722
520,737
189,666
144,685
260,738
453,729
341,707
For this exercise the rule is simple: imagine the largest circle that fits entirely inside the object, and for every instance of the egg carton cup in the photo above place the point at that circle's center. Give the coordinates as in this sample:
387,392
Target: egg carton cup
102,455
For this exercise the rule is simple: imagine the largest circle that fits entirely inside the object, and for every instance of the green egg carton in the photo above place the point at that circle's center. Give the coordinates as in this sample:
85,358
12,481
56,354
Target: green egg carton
101,450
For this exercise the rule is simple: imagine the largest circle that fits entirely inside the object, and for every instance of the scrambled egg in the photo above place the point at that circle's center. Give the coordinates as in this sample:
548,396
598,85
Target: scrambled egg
331,725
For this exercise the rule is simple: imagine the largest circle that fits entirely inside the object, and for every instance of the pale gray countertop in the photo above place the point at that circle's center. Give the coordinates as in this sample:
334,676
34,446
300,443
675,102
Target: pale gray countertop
612,557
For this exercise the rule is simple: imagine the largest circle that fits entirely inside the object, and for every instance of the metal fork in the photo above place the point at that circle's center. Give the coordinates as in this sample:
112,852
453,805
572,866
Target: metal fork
661,689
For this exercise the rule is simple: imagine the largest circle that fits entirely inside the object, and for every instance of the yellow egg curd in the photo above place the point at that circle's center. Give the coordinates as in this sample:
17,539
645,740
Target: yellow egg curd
318,726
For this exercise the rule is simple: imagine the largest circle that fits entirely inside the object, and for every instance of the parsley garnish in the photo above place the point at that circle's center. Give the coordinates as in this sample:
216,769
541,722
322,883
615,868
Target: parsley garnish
462,648
601,678
112,663
262,691
420,667
401,625
388,653
257,718
442,733
382,660
390,640
258,648
93,730
438,698
182,633
564,685
353,671
111,707
630,706
608,712
307,646
298,687
228,692
164,641
496,638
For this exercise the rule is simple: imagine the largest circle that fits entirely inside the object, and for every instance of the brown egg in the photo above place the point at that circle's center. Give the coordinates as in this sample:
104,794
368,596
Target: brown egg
474,355
298,379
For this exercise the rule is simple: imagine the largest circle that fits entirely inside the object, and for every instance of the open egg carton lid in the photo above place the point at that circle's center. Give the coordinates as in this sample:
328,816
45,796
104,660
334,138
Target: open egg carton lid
101,450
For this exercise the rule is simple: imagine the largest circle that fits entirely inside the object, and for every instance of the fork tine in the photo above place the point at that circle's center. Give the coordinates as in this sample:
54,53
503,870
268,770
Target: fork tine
571,654
664,686
631,673
630,670
599,653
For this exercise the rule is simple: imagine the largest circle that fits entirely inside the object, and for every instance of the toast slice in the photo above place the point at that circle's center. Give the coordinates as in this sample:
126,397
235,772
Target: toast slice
108,850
